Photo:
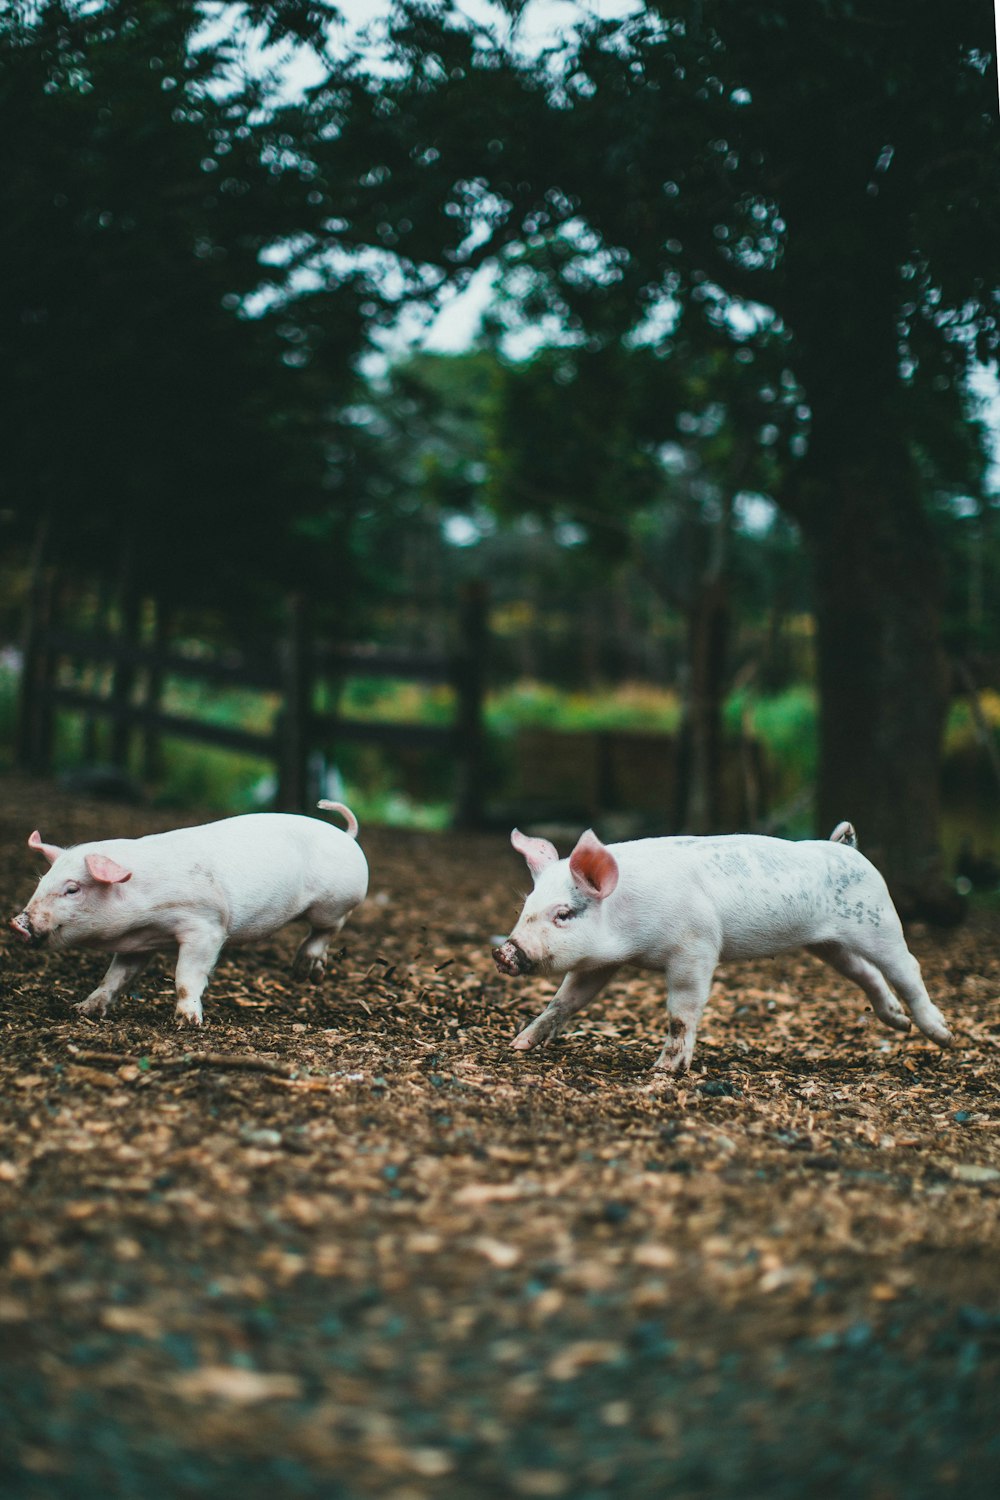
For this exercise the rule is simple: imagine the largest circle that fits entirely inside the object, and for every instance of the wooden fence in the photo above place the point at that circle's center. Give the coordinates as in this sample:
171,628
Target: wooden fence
55,659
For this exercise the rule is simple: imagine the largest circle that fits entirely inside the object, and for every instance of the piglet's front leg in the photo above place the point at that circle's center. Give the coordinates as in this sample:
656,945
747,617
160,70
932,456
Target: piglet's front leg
123,969
689,983
572,994
196,958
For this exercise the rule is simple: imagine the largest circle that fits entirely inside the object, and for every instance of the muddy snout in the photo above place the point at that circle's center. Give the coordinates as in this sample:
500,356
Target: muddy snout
510,959
21,924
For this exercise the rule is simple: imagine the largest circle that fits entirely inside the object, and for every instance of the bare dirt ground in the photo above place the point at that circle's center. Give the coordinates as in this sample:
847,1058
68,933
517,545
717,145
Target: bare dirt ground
406,1262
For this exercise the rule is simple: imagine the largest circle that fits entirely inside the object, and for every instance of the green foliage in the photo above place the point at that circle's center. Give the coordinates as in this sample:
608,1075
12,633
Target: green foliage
541,705
393,701
152,425
786,723
378,798
202,776
9,685
422,435
965,729
240,707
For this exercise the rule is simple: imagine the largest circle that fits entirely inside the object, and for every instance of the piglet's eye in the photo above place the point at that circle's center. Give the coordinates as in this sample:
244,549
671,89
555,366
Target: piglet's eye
72,889
562,915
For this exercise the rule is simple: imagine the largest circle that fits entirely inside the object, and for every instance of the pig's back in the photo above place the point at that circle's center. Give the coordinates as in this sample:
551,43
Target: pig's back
769,894
265,869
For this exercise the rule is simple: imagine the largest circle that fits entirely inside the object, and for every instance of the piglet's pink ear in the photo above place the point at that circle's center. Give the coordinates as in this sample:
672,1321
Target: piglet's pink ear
593,866
105,870
537,852
51,851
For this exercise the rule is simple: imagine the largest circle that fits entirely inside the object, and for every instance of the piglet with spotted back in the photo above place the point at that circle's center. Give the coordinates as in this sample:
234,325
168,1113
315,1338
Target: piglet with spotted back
682,905
195,890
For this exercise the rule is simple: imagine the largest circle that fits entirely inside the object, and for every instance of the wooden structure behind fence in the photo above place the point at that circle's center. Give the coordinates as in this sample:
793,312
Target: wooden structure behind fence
583,775
292,672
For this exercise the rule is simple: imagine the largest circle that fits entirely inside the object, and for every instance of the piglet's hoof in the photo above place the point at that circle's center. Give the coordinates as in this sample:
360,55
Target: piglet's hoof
672,1064
309,969
92,1006
537,1034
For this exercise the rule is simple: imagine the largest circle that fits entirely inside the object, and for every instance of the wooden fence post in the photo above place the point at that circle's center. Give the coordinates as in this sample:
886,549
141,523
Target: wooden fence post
152,751
33,746
293,730
469,678
87,676
124,676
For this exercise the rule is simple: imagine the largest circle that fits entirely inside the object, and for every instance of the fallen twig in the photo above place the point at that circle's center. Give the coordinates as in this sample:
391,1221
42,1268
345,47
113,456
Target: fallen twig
304,1085
188,1060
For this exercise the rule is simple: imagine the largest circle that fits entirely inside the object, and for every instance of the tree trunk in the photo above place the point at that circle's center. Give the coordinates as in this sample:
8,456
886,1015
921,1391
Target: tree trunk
129,635
296,710
699,782
698,806
878,590
470,679
882,669
152,745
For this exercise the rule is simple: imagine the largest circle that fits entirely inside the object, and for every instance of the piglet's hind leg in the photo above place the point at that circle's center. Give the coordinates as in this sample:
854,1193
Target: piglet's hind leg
864,974
903,973
310,960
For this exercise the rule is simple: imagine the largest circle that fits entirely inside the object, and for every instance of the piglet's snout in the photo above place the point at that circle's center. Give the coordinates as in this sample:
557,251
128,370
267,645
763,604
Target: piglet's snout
21,924
510,959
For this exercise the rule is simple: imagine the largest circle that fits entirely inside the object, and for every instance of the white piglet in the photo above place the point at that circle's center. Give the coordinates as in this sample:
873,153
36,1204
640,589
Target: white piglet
683,904
195,890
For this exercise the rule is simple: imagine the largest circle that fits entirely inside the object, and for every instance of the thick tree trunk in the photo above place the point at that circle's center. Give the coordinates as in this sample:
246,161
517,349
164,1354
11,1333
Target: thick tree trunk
882,679
860,501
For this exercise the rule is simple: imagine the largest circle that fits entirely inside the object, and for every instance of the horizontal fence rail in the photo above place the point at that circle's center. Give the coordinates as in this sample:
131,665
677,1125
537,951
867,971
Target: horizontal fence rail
131,697
139,716
249,671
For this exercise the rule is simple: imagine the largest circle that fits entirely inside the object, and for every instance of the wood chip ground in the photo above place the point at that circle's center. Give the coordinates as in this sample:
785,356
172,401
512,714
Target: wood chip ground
343,1242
